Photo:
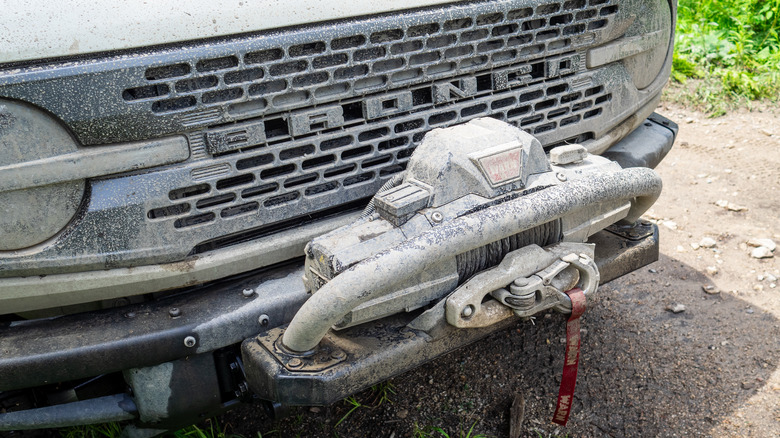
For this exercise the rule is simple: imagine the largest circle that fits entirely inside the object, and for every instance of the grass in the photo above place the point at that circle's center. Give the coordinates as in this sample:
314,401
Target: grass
381,393
105,430
732,50
114,430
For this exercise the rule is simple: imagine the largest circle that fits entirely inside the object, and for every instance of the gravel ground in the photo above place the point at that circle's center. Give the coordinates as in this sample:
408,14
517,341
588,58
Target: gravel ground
709,370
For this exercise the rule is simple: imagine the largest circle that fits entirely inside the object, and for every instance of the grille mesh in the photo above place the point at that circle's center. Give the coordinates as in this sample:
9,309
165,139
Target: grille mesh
262,171
342,162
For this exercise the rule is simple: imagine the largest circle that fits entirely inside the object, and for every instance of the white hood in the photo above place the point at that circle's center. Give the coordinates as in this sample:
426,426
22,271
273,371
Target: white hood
37,29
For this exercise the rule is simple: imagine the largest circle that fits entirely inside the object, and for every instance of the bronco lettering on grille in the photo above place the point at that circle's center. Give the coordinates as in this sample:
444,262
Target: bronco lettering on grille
225,139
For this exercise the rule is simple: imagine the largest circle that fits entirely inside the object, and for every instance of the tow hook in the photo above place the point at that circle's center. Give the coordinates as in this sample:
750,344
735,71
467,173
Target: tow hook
564,266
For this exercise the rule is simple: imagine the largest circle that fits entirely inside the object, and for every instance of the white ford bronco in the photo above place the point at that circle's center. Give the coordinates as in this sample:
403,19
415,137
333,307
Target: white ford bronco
204,203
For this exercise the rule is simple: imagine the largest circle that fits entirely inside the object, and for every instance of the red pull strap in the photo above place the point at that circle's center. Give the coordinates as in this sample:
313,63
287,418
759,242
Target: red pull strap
572,358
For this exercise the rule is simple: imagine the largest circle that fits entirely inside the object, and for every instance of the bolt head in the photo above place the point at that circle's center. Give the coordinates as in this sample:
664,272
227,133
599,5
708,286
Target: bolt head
295,363
436,216
248,292
263,320
520,282
190,341
338,355
174,312
468,311
561,176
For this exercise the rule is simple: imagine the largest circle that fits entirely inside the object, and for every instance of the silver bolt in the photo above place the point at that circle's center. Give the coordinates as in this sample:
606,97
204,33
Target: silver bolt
189,341
560,176
263,320
436,216
338,355
248,292
520,282
174,312
294,363
468,311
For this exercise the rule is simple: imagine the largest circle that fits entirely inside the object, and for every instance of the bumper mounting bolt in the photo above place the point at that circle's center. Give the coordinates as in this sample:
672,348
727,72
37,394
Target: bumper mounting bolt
338,355
263,320
190,341
248,292
436,217
295,363
467,311
561,176
174,312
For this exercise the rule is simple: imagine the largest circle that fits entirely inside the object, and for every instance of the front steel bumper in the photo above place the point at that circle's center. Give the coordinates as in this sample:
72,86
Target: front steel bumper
42,352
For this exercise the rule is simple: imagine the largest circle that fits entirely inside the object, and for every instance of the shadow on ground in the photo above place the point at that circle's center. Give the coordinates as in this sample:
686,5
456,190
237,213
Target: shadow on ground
644,371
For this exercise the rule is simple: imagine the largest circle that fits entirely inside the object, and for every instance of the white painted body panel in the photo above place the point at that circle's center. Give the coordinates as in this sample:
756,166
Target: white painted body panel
38,29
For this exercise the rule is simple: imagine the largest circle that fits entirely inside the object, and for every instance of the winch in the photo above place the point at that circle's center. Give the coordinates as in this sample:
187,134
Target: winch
454,181
483,225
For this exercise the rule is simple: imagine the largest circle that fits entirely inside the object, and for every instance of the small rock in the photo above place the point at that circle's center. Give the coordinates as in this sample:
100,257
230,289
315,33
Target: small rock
759,278
758,287
652,271
712,270
772,285
750,310
430,381
691,120
748,385
724,343
761,252
708,242
743,246
680,248
403,413
710,289
770,278
766,132
727,170
768,243
730,205
695,246
676,308
314,409
670,225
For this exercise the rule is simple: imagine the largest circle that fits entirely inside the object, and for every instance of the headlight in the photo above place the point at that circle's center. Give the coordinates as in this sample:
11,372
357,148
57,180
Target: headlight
29,216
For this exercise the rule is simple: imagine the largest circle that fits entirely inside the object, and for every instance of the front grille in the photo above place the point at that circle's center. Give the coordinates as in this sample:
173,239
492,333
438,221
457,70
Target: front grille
339,164
515,65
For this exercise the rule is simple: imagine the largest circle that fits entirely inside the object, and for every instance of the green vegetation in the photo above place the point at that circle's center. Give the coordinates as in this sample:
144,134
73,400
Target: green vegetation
733,46
106,430
212,429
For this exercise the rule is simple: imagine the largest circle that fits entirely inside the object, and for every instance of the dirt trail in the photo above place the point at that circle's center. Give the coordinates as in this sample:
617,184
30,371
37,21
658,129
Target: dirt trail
711,370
